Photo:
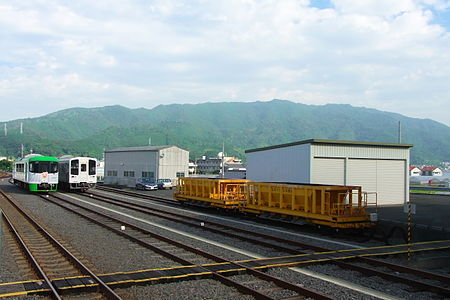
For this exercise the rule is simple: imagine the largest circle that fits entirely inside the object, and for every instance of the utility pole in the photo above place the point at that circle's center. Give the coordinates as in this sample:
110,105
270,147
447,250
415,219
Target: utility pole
399,132
6,130
21,127
223,161
150,141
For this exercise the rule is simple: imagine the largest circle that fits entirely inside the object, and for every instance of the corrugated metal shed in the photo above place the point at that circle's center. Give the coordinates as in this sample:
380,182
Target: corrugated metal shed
140,148
123,166
380,168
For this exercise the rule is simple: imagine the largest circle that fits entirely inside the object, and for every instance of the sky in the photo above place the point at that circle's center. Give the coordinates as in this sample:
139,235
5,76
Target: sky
388,55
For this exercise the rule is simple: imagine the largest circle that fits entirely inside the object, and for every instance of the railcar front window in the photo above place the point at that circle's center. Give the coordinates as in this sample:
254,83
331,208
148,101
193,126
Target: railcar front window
74,165
53,167
36,167
83,167
43,166
92,166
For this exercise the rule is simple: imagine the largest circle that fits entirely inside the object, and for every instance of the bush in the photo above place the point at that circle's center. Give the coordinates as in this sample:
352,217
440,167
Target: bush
6,165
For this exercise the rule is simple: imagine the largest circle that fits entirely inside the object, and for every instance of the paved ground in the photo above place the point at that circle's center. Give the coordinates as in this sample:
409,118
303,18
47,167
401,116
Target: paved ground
432,218
431,210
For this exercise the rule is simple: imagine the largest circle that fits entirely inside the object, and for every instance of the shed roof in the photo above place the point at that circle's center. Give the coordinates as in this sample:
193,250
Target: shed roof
333,142
140,148
429,168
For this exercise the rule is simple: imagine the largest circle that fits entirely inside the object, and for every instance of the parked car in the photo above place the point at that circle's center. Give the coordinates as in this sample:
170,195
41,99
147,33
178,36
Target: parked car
146,184
166,183
160,185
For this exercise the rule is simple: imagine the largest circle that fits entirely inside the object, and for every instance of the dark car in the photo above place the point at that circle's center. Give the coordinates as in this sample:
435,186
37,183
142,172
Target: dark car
146,184
160,185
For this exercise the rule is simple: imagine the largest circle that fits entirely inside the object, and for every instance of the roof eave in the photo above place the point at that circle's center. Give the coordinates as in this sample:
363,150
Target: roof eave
332,142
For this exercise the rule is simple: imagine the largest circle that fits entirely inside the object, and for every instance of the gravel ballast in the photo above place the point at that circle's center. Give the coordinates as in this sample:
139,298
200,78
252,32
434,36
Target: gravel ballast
109,252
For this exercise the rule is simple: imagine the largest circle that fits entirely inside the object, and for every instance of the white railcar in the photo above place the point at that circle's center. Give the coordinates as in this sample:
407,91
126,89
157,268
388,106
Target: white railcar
77,173
36,173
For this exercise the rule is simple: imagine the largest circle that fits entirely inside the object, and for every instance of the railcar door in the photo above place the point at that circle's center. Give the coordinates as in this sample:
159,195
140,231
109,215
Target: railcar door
74,171
92,171
83,177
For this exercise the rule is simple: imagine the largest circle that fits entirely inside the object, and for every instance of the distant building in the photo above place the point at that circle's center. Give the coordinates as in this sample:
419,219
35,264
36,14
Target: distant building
414,171
208,165
235,171
100,170
431,171
124,165
192,167
446,165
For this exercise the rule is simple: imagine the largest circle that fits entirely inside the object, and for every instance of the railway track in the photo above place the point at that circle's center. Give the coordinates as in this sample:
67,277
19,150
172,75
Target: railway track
141,236
140,195
47,256
4,174
414,277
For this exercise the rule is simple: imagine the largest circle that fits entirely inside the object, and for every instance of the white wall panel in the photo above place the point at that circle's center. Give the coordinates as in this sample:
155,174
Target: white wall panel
289,164
137,161
391,182
173,160
385,177
328,171
362,172
370,152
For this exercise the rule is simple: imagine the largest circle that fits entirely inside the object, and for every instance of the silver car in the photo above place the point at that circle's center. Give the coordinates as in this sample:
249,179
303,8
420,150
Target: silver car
166,183
146,184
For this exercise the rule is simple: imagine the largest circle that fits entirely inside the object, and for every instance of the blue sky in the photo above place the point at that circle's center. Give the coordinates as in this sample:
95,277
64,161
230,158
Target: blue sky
383,54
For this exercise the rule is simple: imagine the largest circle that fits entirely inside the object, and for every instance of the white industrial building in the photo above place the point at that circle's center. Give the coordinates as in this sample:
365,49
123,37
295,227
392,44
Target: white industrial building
377,167
124,165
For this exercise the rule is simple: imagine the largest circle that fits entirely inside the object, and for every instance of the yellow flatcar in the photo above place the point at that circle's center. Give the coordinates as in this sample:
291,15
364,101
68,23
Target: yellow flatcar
331,205
225,193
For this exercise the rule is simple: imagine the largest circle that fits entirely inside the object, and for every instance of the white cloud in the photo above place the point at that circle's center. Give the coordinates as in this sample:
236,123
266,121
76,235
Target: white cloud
375,53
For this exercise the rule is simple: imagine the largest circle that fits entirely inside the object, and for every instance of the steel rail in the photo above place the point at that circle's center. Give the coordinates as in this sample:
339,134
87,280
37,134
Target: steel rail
179,219
32,260
300,290
105,289
371,261
144,196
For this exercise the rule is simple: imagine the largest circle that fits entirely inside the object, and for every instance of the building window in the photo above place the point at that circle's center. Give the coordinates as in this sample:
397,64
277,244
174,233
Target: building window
148,174
112,173
128,173
180,174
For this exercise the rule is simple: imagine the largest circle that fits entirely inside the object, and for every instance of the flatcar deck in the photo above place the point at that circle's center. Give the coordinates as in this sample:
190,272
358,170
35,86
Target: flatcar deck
185,272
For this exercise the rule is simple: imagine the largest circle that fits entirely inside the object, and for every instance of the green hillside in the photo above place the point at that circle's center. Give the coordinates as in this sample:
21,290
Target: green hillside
201,128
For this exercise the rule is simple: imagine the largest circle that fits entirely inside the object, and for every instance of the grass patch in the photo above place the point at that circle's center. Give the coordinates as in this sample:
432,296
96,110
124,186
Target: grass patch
422,192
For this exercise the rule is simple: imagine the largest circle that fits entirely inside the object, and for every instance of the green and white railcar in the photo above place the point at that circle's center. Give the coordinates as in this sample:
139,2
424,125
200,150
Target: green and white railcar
36,173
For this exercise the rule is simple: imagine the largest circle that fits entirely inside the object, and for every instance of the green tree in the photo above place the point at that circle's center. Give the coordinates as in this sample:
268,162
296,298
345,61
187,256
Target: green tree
6,165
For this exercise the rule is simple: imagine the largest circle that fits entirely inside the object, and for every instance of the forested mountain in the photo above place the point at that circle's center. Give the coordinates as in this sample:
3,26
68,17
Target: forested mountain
201,128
